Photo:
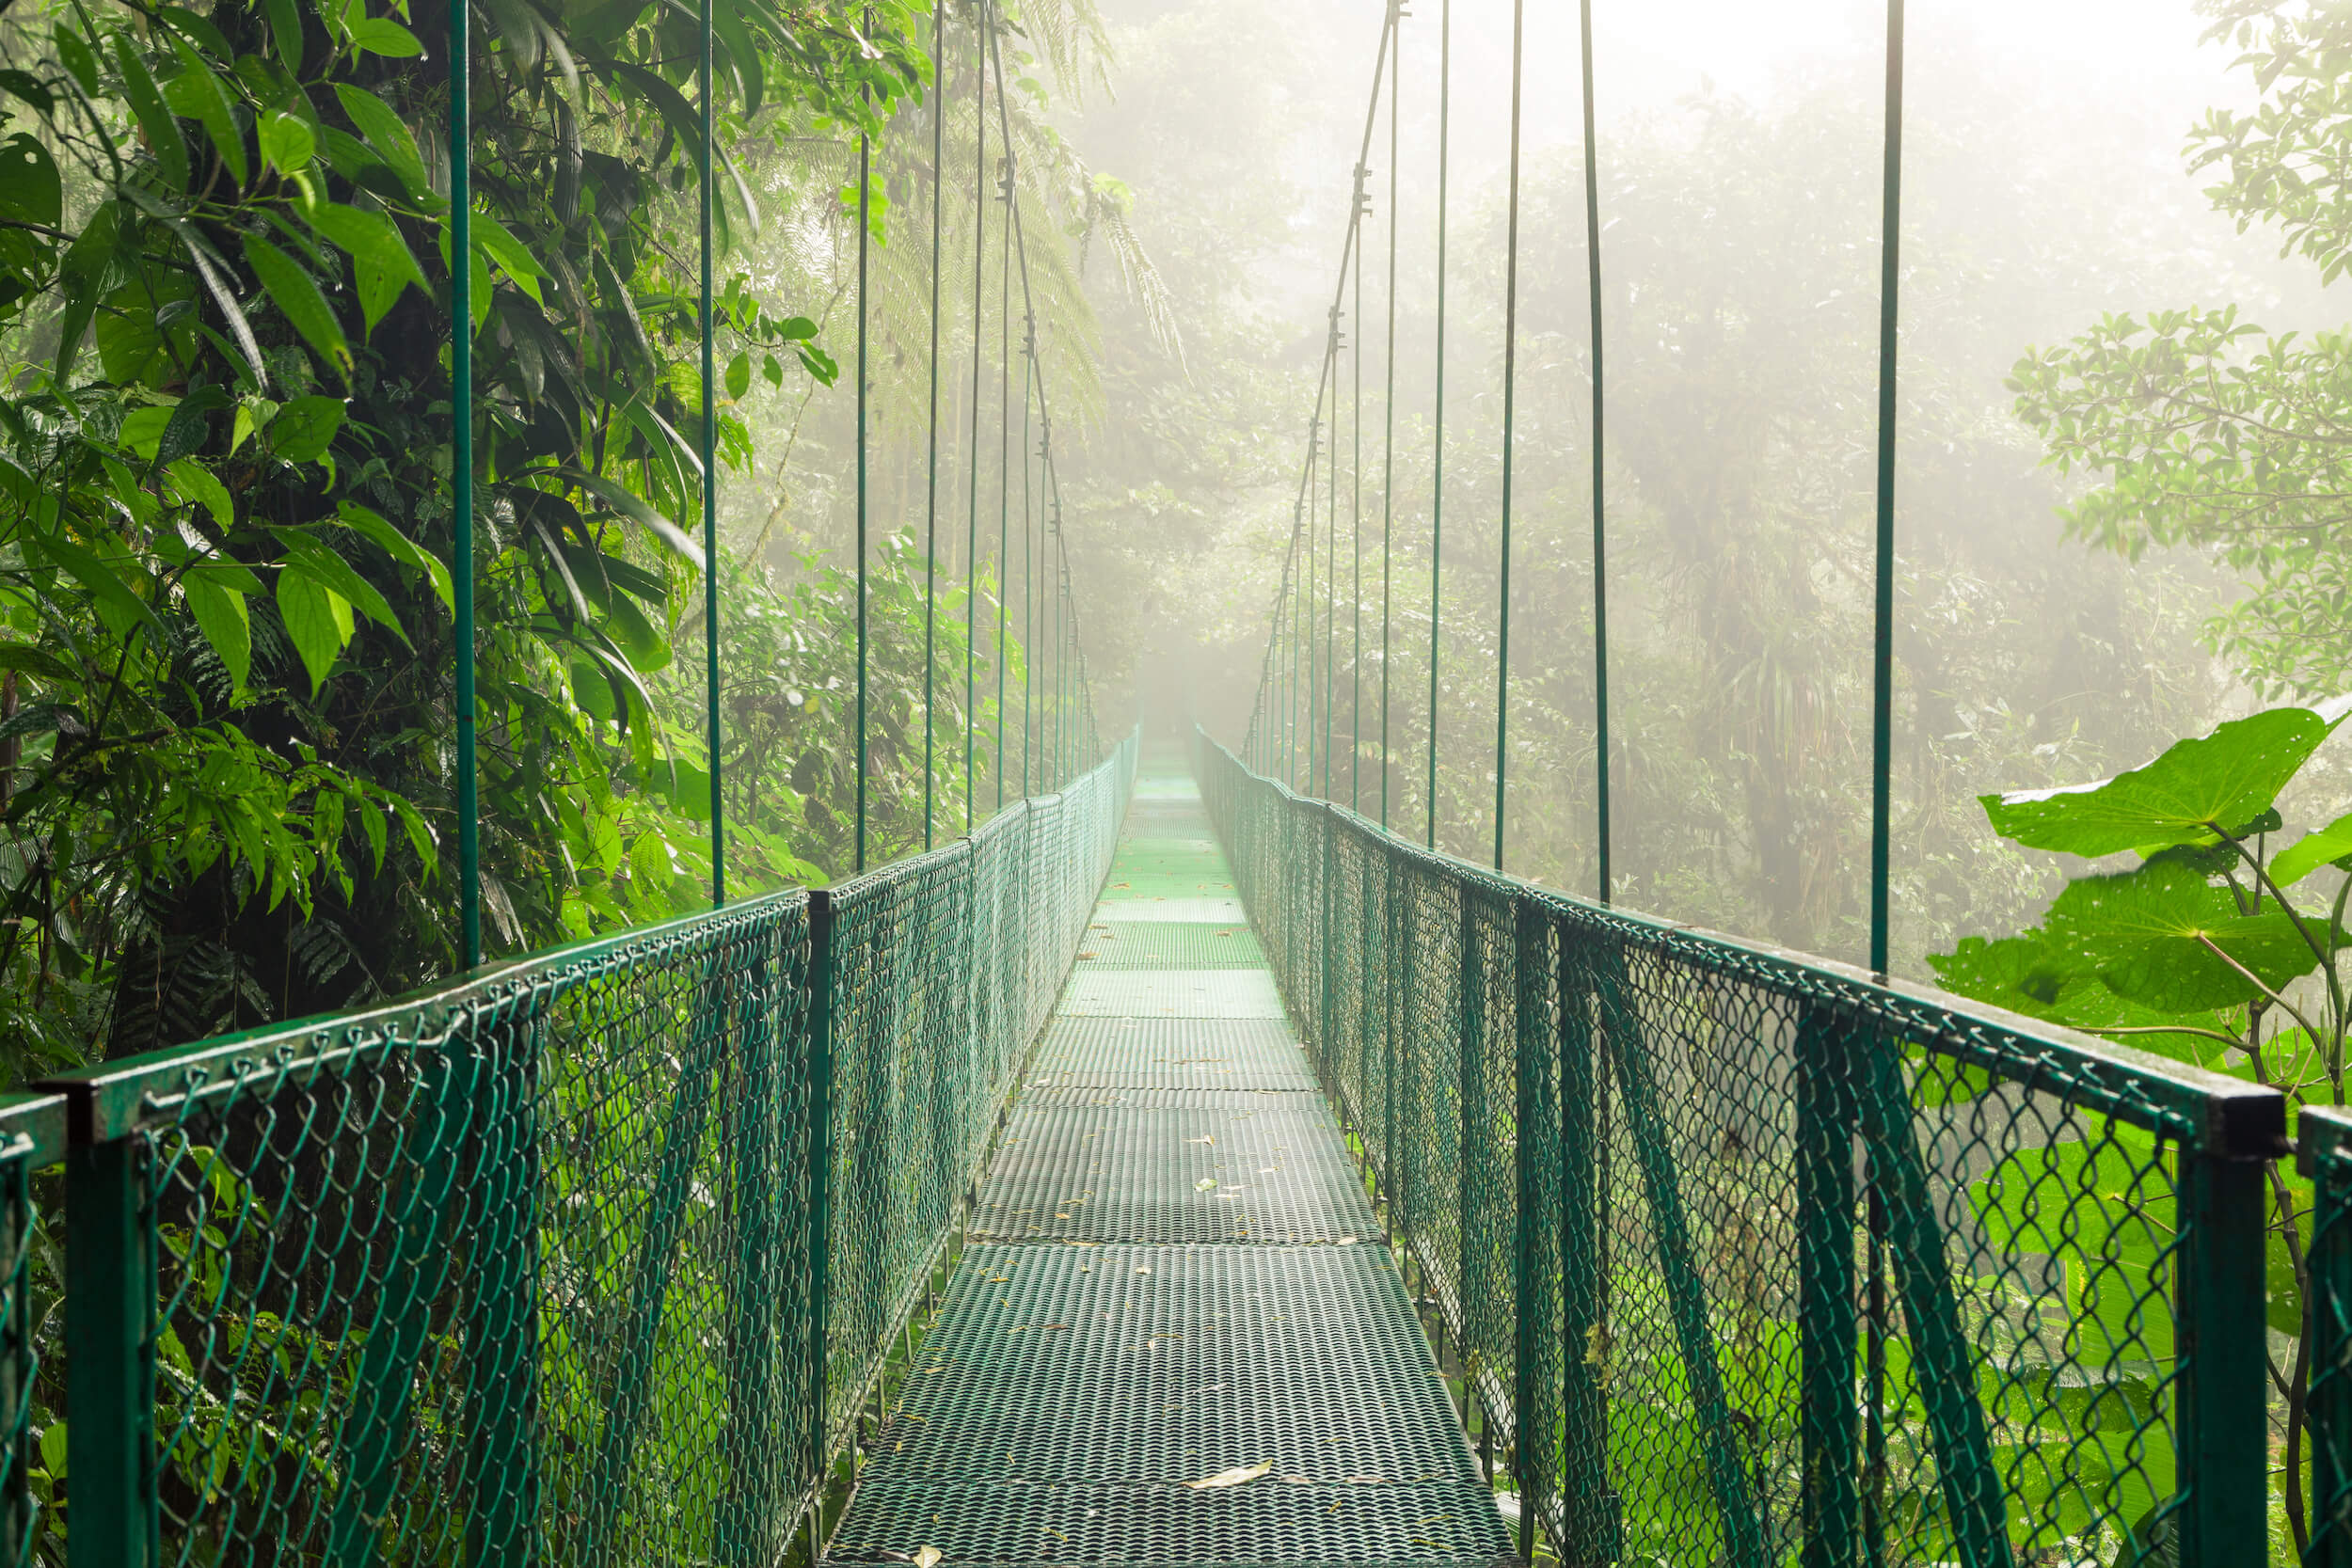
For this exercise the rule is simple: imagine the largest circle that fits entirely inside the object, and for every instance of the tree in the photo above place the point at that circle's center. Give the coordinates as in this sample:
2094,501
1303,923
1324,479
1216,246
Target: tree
2206,430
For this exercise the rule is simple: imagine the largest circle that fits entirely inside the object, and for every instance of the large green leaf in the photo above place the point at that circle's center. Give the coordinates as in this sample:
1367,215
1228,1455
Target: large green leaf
199,93
2331,844
154,115
29,186
2223,781
317,618
220,614
2158,936
298,299
388,134
381,260
335,573
305,427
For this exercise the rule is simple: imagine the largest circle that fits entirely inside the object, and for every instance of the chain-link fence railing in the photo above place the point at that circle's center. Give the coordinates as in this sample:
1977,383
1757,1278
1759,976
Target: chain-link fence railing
1754,1259
587,1260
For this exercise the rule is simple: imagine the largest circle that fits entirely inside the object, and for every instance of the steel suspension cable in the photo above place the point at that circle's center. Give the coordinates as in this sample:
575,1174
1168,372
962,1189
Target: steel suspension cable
1279,700
1033,624
710,493
1436,448
1387,407
1356,526
1317,688
972,510
930,501
1331,560
1510,384
1034,375
1004,466
1883,603
461,475
1601,552
865,210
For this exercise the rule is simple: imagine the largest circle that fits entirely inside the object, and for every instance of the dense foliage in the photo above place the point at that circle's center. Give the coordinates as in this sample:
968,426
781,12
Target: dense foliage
226,678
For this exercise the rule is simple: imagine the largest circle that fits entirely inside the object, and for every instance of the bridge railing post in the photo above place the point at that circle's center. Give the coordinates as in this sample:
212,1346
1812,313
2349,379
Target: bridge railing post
110,1395
817,1247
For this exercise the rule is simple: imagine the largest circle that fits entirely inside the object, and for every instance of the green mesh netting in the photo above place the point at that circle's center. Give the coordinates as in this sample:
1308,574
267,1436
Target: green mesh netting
1756,1261
588,1261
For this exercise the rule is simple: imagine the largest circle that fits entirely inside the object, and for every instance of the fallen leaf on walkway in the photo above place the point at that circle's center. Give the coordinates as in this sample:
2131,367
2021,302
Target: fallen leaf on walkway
1239,1476
1206,1184
1085,1243
1210,1140
1366,1480
1347,1241
1143,1268
926,1556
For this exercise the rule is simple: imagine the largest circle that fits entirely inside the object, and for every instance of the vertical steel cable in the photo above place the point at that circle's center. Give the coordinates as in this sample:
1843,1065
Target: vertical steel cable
1437,449
1882,607
1318,685
972,525
461,474
864,213
1355,523
1030,620
1510,389
1331,559
710,495
930,501
1600,553
1388,440
1004,427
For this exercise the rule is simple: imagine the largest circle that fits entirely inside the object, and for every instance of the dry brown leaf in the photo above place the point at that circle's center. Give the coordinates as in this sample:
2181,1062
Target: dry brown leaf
1238,1476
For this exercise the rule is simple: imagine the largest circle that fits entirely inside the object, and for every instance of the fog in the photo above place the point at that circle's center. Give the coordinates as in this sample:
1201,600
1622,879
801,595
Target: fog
1739,150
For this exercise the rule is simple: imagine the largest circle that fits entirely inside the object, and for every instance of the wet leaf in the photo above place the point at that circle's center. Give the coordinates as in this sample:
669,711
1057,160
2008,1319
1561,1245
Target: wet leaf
1237,1477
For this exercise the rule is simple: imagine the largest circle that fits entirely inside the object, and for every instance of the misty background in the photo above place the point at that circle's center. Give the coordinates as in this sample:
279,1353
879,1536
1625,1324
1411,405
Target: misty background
2045,187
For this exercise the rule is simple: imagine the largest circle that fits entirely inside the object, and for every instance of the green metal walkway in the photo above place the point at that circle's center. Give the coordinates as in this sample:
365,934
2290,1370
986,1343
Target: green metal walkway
1173,1274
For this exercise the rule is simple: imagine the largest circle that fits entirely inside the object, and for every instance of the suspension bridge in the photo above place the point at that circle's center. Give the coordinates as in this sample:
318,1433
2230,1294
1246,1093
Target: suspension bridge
1177,1166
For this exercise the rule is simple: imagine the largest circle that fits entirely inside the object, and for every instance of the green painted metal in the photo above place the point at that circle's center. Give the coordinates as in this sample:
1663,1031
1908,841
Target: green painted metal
930,468
458,42
1883,586
864,394
1510,409
1388,403
2324,1157
32,1137
1740,1538
972,521
1600,532
1829,1333
714,722
1436,438
591,1257
110,1352
1715,1120
2220,1306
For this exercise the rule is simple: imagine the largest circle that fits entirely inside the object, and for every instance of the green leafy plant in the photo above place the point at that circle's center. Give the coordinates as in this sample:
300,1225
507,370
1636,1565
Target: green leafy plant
2223,946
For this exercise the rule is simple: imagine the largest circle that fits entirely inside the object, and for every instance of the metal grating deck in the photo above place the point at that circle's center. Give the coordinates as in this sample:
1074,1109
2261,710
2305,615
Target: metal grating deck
1175,1273
1122,943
